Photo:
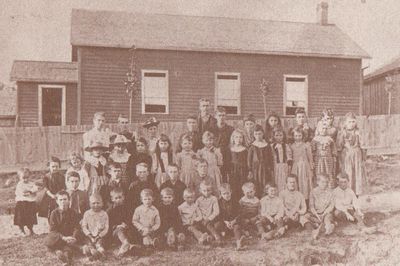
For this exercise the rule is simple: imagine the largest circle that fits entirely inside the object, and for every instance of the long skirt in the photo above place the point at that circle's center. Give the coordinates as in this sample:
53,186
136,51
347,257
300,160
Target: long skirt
25,213
352,165
304,173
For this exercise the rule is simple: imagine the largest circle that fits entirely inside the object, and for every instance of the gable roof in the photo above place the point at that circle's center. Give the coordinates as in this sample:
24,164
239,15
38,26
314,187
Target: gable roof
43,71
216,34
389,67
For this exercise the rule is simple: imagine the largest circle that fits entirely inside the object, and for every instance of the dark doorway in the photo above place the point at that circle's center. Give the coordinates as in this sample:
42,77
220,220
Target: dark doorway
52,106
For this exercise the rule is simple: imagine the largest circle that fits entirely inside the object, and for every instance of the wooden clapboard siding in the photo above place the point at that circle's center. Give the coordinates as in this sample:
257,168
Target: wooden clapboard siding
331,82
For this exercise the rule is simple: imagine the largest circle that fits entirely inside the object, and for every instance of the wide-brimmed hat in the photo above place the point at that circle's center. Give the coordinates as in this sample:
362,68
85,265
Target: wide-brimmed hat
120,139
152,121
96,144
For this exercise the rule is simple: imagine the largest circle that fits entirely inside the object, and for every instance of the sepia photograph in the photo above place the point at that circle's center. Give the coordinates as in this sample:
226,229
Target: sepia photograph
204,133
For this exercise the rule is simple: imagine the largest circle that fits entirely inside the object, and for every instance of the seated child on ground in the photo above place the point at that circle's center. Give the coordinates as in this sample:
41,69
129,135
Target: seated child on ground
271,213
202,175
95,227
174,183
79,201
191,217
146,219
228,218
171,228
64,229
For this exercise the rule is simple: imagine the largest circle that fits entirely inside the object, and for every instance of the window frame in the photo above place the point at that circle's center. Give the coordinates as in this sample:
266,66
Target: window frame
63,102
239,107
285,92
143,71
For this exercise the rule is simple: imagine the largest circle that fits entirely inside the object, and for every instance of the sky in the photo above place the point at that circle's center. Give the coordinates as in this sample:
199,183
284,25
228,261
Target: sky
40,29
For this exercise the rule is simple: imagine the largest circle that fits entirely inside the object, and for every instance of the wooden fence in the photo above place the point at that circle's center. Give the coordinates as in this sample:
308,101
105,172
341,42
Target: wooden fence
32,146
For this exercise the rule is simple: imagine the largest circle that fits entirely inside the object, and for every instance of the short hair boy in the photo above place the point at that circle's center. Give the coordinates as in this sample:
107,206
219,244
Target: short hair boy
79,201
174,183
143,182
116,180
202,175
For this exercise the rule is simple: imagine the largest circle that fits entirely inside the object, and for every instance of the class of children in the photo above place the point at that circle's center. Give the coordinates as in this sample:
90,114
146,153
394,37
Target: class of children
218,183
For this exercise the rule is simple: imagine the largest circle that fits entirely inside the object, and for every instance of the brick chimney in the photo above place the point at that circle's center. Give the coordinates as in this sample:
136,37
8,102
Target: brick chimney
322,13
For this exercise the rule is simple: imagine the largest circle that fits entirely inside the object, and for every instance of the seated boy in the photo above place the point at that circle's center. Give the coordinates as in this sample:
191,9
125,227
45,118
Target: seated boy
294,204
202,175
171,225
79,201
249,210
228,215
345,202
271,213
143,182
321,207
191,217
95,227
64,229
146,219
208,205
174,183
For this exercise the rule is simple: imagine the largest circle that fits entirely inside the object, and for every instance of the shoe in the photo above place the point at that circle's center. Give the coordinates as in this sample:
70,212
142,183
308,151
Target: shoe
156,243
209,238
101,251
203,239
279,232
329,229
316,232
239,243
123,249
61,256
268,236
86,250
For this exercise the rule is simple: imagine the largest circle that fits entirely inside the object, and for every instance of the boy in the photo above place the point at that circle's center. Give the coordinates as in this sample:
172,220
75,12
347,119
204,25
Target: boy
171,226
193,132
272,211
64,229
301,121
99,133
208,205
95,227
146,219
202,175
228,215
174,183
191,217
116,180
205,121
294,204
321,207
143,182
79,201
249,210
345,202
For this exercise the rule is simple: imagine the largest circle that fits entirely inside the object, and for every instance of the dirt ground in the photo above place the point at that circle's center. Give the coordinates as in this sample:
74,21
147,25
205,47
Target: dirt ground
376,244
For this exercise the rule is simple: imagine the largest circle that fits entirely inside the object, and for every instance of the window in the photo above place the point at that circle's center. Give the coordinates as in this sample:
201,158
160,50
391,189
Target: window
295,93
51,105
154,91
227,92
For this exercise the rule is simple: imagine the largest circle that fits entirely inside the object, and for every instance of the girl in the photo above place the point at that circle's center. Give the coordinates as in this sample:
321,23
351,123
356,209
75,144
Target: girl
249,123
272,121
186,160
152,131
324,151
76,165
141,156
25,197
239,171
53,182
328,118
260,161
213,156
282,158
161,158
119,154
302,161
351,156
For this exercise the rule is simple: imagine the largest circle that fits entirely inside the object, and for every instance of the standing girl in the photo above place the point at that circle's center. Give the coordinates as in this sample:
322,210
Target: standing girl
303,163
213,156
273,121
119,154
351,159
239,171
161,158
282,158
260,161
76,165
249,122
186,160
328,118
141,155
25,197
152,132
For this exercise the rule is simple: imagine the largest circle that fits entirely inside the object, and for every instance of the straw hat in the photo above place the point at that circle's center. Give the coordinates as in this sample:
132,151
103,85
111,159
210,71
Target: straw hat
152,121
120,139
96,144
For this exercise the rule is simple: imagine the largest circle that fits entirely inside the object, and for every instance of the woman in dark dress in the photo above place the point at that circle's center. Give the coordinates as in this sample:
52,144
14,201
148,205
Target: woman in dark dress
239,169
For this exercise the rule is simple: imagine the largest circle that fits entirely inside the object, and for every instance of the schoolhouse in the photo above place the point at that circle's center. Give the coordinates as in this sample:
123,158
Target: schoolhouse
180,59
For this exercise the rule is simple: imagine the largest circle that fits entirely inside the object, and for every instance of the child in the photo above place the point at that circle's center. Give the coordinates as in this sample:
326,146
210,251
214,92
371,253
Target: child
162,157
141,156
25,197
95,227
171,226
76,164
205,121
345,201
301,121
64,229
271,213
119,154
321,207
239,170
202,175
294,204
53,182
208,205
151,125
328,117
303,163
213,156
116,180
260,161
79,201
272,121
186,159
351,154
282,158
228,218
191,217
249,210
174,183
249,122
193,132
146,219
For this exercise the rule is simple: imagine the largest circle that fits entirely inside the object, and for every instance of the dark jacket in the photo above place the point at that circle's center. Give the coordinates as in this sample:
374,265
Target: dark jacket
178,189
